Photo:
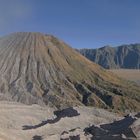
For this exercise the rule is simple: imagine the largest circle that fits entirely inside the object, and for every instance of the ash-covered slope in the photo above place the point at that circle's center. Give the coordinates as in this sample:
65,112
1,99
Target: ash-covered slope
75,123
38,68
125,56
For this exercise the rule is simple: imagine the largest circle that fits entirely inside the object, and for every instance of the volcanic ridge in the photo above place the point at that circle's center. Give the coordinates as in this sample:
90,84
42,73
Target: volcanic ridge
40,69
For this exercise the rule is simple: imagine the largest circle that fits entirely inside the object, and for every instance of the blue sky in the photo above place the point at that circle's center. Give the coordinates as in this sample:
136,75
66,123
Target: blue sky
80,23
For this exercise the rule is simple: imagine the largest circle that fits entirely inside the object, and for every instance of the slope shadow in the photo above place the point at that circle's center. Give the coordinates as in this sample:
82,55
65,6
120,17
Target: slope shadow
72,138
112,131
36,137
120,127
68,112
137,115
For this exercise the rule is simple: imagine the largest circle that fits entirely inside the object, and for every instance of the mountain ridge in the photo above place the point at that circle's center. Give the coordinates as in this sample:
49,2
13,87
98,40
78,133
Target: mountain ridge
124,56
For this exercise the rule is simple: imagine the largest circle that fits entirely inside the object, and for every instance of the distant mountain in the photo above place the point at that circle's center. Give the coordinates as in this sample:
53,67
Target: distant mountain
125,56
41,69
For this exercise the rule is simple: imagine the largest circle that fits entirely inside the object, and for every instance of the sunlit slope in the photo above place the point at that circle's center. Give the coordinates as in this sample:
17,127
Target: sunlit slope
38,68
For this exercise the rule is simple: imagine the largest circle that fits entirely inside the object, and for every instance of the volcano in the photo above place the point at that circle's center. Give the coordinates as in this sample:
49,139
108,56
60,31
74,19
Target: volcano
40,69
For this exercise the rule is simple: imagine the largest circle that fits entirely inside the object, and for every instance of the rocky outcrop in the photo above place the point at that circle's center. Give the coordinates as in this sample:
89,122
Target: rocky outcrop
126,128
125,56
41,69
75,123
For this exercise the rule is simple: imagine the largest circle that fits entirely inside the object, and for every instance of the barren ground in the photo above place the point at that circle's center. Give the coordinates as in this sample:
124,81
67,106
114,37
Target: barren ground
129,74
22,122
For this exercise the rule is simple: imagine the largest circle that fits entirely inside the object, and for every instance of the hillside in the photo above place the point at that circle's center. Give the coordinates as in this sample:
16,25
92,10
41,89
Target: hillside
41,69
125,56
